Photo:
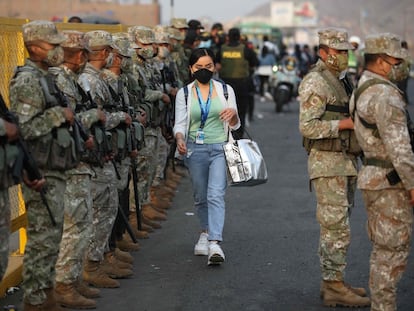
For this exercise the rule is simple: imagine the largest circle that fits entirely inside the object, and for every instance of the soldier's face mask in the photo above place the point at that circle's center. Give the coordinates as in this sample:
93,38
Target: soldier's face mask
163,52
109,60
126,64
146,52
337,62
55,56
398,71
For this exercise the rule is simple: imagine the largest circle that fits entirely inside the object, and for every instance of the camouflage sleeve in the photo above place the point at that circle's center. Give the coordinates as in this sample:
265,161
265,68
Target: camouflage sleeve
313,98
88,117
392,128
114,119
27,101
152,95
2,128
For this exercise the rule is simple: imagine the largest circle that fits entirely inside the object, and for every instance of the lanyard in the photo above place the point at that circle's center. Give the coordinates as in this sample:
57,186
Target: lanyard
204,107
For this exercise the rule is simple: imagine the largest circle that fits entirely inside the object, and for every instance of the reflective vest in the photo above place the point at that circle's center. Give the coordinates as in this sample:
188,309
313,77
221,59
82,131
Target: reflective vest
233,63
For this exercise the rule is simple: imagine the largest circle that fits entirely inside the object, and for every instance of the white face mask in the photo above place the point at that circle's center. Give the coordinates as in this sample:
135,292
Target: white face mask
163,52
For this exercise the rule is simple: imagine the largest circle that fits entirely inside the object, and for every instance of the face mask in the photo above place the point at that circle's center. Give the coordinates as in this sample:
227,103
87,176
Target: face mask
55,57
146,52
398,72
205,44
337,62
203,75
126,64
163,52
109,60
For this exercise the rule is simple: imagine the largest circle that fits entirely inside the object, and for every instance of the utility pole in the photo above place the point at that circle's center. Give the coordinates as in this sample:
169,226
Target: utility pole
172,9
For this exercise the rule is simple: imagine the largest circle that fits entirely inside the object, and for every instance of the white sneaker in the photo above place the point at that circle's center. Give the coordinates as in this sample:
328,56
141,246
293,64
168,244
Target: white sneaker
215,254
201,248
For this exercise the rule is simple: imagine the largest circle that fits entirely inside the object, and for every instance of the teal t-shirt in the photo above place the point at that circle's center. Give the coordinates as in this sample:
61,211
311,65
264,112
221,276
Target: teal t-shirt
214,128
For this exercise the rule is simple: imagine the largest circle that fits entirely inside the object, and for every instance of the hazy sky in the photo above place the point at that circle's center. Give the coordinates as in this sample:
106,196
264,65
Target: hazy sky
217,10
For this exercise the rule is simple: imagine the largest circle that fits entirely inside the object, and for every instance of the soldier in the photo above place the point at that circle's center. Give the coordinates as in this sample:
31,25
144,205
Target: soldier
9,153
8,132
329,139
70,289
144,38
178,54
126,148
383,130
44,124
104,181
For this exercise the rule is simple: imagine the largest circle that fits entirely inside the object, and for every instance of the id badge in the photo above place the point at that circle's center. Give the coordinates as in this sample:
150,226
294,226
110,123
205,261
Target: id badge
199,137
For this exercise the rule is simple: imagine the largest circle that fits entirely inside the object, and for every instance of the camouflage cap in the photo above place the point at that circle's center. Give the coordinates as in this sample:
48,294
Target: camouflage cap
42,30
132,43
175,34
161,34
335,38
142,34
385,43
123,45
74,39
179,23
96,39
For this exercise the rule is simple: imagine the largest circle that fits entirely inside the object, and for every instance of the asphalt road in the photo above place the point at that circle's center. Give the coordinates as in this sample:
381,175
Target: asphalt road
270,242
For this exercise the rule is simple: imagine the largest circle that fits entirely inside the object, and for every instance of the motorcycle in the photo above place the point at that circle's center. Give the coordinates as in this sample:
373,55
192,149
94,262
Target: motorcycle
284,82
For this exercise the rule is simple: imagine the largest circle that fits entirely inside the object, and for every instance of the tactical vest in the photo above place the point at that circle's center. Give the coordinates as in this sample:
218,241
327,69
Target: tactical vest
55,150
336,109
233,63
392,176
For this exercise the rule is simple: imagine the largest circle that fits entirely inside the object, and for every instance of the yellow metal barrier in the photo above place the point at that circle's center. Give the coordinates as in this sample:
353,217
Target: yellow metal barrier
12,54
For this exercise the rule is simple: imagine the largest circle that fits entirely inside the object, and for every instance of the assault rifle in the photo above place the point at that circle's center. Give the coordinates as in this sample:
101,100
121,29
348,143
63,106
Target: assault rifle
169,117
132,145
25,160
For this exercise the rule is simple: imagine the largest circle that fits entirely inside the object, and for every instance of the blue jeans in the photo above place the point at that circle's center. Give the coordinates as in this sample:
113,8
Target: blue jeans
208,171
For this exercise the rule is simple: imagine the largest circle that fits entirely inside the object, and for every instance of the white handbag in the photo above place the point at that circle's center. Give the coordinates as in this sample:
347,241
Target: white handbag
245,162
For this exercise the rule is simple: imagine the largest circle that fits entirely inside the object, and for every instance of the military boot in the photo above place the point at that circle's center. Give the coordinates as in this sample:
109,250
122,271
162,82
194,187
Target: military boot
67,296
151,213
171,184
152,224
336,293
48,305
160,203
141,234
112,267
127,246
360,291
87,291
123,256
94,275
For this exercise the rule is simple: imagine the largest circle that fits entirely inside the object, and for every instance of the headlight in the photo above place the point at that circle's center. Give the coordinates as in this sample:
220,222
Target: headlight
275,68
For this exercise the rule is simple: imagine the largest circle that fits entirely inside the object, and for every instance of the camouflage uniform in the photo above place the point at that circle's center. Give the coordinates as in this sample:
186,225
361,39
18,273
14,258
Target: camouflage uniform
77,197
123,162
332,172
147,158
390,214
4,226
4,205
104,181
37,122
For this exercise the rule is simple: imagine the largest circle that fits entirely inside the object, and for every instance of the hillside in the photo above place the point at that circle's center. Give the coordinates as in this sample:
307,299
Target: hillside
362,17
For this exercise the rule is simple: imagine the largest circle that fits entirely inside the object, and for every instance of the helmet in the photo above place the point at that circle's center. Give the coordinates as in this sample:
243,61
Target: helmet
355,39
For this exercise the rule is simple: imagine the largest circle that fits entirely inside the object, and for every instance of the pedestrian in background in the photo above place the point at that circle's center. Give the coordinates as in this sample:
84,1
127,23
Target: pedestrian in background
266,61
387,175
203,119
234,62
329,139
